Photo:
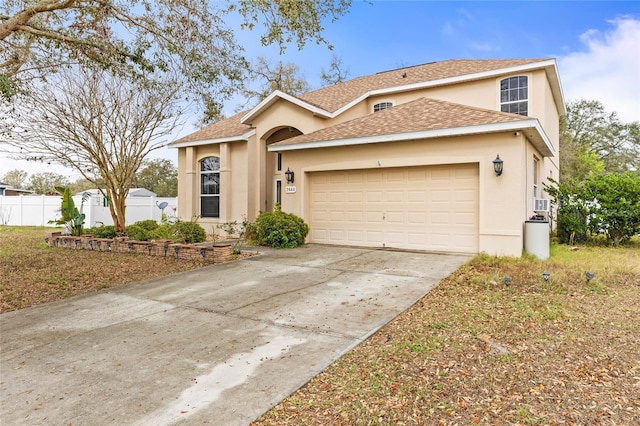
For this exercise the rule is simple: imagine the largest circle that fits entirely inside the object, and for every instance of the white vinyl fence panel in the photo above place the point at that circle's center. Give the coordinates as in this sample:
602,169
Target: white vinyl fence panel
38,210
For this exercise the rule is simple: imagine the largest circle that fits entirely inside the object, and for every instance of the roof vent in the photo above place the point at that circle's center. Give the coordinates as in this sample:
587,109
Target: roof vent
404,75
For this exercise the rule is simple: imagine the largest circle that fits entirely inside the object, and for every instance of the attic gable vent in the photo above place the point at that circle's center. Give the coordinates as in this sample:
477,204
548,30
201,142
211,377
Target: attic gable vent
382,106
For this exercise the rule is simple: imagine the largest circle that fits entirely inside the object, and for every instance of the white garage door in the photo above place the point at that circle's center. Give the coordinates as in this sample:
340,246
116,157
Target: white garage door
426,208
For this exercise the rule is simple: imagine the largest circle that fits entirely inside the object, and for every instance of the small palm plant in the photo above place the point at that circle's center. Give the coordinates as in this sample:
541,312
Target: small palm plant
72,218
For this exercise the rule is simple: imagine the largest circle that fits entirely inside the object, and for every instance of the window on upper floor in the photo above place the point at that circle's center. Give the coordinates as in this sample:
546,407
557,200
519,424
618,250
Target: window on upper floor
514,95
210,187
381,106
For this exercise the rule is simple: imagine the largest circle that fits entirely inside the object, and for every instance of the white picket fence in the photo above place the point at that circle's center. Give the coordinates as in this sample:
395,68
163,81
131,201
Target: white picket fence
38,210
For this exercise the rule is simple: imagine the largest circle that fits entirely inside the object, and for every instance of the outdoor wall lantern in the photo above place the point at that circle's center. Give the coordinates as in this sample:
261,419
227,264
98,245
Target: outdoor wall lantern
290,175
497,165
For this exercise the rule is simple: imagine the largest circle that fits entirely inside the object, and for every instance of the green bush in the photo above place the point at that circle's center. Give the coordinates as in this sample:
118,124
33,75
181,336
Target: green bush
148,224
188,232
104,231
251,233
163,232
141,230
137,232
606,204
279,229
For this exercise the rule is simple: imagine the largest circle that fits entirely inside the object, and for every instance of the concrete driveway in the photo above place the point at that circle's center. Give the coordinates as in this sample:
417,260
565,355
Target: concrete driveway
217,345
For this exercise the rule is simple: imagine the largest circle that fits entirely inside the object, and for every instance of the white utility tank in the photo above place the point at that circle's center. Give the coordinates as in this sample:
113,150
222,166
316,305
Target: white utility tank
536,238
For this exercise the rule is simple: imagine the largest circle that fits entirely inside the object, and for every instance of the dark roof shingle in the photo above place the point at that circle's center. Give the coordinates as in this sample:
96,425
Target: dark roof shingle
334,97
226,128
416,116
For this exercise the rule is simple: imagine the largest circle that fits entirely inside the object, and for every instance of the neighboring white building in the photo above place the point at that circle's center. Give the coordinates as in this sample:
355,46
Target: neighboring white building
38,210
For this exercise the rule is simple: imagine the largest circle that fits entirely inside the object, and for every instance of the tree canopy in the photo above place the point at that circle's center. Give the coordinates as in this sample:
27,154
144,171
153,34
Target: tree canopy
335,74
16,178
143,37
45,183
159,176
101,126
270,77
593,140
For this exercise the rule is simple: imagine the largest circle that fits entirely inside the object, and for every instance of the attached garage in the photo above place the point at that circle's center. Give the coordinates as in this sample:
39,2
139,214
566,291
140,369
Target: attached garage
426,208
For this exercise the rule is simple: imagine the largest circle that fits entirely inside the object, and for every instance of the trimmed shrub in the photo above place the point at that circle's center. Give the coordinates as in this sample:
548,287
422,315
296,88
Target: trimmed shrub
279,229
141,230
188,232
148,224
163,232
137,232
104,231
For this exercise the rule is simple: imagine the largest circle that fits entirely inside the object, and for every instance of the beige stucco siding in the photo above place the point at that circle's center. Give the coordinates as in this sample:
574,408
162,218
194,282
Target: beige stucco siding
502,205
234,188
481,94
282,114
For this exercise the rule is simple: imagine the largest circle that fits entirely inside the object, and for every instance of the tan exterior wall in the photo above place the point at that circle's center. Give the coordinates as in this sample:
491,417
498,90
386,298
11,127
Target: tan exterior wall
234,187
248,173
481,94
503,205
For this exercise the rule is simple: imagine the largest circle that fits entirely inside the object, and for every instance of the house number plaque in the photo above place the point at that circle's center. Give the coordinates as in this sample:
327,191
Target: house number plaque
290,189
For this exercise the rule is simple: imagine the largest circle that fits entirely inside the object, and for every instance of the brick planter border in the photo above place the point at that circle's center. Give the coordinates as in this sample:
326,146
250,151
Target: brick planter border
163,248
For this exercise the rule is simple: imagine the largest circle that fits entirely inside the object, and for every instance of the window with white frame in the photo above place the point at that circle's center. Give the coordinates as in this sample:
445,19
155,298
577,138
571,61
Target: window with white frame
210,187
382,106
514,95
278,194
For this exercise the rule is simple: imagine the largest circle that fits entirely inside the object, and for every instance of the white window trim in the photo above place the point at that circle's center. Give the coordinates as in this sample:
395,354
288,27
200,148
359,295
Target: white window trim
200,173
529,91
373,107
275,191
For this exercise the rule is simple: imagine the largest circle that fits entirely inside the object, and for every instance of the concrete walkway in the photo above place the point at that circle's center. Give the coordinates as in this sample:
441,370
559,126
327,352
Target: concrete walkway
217,345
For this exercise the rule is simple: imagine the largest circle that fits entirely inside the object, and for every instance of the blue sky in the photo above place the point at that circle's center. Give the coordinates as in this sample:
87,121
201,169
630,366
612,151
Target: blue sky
593,41
387,34
596,45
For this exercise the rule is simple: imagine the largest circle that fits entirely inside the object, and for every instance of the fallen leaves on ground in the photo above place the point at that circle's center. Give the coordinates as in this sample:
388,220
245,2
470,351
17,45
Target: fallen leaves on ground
475,351
32,273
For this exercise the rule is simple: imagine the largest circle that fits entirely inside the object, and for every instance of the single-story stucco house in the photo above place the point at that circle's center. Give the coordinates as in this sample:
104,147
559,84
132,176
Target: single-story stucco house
406,158
8,190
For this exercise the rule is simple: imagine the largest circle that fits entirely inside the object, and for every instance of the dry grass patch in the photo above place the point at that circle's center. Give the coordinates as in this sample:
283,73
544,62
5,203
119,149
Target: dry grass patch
32,273
476,351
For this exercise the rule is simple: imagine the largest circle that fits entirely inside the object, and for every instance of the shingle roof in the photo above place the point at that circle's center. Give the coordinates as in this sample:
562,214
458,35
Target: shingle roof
419,115
334,97
226,128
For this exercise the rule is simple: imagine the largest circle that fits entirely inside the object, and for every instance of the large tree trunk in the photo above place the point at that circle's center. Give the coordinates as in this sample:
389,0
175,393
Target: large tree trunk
117,208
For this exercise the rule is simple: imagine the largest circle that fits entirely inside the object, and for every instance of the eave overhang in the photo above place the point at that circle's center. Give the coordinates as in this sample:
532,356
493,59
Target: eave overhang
531,128
273,98
239,138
